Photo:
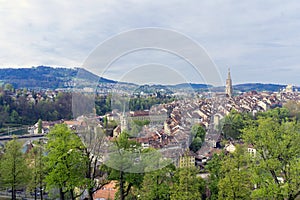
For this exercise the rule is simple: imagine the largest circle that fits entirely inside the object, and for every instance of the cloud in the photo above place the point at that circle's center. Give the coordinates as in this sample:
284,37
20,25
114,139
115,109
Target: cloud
242,35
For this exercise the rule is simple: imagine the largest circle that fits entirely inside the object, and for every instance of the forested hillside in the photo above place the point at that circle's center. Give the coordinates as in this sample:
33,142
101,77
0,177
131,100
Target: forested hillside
41,77
37,77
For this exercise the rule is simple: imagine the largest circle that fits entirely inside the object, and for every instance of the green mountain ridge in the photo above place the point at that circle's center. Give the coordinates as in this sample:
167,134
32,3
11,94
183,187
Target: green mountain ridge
45,77
42,77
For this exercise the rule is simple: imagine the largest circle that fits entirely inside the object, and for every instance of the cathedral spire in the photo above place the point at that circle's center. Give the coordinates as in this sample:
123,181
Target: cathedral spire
229,89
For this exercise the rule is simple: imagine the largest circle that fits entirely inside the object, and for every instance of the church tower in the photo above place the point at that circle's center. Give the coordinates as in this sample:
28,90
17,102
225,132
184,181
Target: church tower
229,89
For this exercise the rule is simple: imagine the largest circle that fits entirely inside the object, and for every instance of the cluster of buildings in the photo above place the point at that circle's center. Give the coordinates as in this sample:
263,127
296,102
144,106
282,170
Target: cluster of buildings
174,137
33,96
169,128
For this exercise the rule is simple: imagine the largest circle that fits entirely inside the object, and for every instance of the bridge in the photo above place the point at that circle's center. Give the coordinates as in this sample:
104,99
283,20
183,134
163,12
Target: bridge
23,138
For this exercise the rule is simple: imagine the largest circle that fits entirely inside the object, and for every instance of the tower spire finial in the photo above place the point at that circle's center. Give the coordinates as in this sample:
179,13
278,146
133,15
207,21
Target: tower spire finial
229,89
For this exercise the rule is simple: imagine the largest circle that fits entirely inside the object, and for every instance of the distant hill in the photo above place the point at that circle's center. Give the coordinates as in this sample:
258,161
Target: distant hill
194,86
148,89
258,87
41,77
44,77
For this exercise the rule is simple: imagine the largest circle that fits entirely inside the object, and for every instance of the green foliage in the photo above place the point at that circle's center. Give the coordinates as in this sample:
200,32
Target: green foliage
14,117
157,184
141,122
235,182
8,87
21,111
122,165
234,123
136,126
40,126
277,144
187,185
198,133
214,168
37,77
13,167
294,108
37,168
272,172
112,124
145,103
196,144
103,104
65,162
277,114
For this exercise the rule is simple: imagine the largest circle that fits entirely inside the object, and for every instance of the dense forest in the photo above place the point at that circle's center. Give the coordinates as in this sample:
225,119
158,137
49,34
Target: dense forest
18,110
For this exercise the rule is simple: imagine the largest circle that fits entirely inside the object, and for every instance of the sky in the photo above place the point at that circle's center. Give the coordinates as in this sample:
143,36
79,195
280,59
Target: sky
258,40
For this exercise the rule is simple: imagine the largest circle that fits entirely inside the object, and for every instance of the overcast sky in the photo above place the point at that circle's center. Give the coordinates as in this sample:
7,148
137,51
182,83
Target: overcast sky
258,40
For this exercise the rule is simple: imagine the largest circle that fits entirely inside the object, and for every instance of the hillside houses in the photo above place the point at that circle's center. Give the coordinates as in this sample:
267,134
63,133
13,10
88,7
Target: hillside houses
171,123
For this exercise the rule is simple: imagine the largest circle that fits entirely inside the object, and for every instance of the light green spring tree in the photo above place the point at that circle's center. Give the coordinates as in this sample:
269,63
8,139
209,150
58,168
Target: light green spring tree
235,182
188,185
157,183
277,163
214,169
65,162
13,167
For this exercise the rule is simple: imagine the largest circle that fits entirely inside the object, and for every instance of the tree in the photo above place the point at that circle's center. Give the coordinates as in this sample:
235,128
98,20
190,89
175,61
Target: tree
214,169
198,131
40,126
294,108
196,144
233,123
277,114
235,182
37,168
124,154
9,87
277,164
188,185
135,129
198,134
94,140
13,167
14,117
272,171
65,162
157,184
3,117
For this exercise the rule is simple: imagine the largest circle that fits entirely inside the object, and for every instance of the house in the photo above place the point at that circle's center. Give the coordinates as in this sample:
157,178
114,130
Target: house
251,150
46,125
117,131
112,116
72,124
230,147
187,160
108,192
213,139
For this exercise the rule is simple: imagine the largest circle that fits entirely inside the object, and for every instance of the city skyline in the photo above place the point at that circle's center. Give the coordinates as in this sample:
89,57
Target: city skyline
258,41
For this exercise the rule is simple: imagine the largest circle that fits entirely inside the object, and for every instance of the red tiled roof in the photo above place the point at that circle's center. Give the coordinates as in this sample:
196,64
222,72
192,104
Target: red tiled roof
107,192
